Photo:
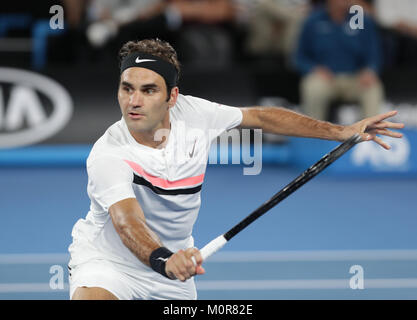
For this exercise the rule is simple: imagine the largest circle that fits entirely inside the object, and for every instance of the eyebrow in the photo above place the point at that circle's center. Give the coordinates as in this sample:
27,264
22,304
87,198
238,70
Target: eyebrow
149,86
143,87
127,84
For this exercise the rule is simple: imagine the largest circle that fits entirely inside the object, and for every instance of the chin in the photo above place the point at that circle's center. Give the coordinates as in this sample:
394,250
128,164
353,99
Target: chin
138,126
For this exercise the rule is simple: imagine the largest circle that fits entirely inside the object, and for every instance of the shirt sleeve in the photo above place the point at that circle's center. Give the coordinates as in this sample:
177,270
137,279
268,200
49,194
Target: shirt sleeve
109,181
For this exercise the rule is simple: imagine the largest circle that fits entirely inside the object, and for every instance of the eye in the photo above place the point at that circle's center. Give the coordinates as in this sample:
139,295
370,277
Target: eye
150,91
127,89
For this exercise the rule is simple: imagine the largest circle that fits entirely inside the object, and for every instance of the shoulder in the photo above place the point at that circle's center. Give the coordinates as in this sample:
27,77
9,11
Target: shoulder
317,14
202,113
192,108
110,146
191,102
109,169
369,21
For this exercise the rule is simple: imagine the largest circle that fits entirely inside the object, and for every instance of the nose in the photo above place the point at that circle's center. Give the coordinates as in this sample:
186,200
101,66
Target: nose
136,99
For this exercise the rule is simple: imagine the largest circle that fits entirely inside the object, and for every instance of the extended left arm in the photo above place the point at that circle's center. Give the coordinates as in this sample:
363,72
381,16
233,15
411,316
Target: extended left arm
283,121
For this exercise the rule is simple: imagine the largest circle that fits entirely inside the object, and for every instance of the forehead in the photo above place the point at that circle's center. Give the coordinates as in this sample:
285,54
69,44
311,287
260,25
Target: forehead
139,76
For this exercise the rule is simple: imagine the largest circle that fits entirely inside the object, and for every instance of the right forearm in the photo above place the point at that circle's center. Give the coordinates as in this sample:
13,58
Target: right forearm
138,238
129,221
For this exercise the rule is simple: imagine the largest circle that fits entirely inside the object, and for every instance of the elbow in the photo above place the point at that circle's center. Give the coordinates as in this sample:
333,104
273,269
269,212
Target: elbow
266,114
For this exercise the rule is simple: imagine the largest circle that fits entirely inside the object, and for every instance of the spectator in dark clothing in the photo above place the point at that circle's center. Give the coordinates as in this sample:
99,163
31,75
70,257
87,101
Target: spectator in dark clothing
338,61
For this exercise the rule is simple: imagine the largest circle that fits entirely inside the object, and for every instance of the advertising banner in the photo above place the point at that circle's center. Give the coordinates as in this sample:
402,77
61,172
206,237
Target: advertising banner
366,158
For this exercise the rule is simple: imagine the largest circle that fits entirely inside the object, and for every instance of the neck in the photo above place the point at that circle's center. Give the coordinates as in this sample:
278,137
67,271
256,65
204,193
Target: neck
337,15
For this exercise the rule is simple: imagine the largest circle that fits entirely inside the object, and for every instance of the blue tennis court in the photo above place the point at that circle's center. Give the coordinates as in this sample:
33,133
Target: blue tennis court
303,248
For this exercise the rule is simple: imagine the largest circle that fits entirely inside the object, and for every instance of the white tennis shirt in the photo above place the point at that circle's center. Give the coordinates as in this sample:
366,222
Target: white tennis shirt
166,182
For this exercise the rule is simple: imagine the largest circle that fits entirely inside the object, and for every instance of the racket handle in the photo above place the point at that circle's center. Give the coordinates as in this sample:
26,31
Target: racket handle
213,246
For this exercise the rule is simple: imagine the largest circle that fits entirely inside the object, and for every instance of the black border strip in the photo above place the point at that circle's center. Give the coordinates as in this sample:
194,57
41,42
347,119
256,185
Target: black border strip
141,181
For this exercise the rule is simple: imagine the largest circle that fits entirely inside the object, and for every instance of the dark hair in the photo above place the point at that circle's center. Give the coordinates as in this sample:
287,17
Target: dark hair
155,47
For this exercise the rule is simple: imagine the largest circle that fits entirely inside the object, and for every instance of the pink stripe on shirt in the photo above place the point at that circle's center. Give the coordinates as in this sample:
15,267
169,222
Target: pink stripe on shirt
163,183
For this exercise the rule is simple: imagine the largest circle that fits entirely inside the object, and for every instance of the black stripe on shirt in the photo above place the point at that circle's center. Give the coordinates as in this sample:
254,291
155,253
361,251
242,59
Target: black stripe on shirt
141,181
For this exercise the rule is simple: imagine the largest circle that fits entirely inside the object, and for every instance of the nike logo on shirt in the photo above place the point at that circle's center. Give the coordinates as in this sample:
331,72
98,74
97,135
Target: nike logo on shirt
192,152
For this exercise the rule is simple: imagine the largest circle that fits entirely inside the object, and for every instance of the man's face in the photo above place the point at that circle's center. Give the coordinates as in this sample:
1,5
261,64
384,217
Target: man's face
143,99
340,5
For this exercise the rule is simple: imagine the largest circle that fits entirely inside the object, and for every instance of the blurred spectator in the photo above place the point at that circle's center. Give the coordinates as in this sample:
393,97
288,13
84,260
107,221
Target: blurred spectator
399,23
275,25
407,28
401,16
338,62
205,11
209,33
25,26
74,12
202,30
108,17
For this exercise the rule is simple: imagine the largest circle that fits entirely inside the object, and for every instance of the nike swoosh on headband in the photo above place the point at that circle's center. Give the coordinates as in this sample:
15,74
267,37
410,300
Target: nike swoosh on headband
143,60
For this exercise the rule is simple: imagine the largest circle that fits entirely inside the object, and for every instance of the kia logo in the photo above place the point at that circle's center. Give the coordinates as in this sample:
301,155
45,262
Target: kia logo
24,118
396,157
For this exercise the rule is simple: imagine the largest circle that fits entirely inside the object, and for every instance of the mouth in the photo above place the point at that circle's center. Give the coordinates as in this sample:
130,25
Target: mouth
136,115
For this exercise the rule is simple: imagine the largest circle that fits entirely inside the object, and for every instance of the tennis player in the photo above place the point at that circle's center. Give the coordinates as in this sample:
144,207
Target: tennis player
145,176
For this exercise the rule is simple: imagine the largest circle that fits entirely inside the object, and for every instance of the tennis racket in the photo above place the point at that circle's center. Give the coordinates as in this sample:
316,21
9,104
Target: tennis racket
217,243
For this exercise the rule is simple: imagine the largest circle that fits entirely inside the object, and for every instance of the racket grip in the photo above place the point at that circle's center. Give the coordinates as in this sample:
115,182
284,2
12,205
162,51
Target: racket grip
213,246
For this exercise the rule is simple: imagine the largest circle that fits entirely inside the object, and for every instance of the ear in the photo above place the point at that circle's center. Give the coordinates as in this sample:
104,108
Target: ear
173,97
